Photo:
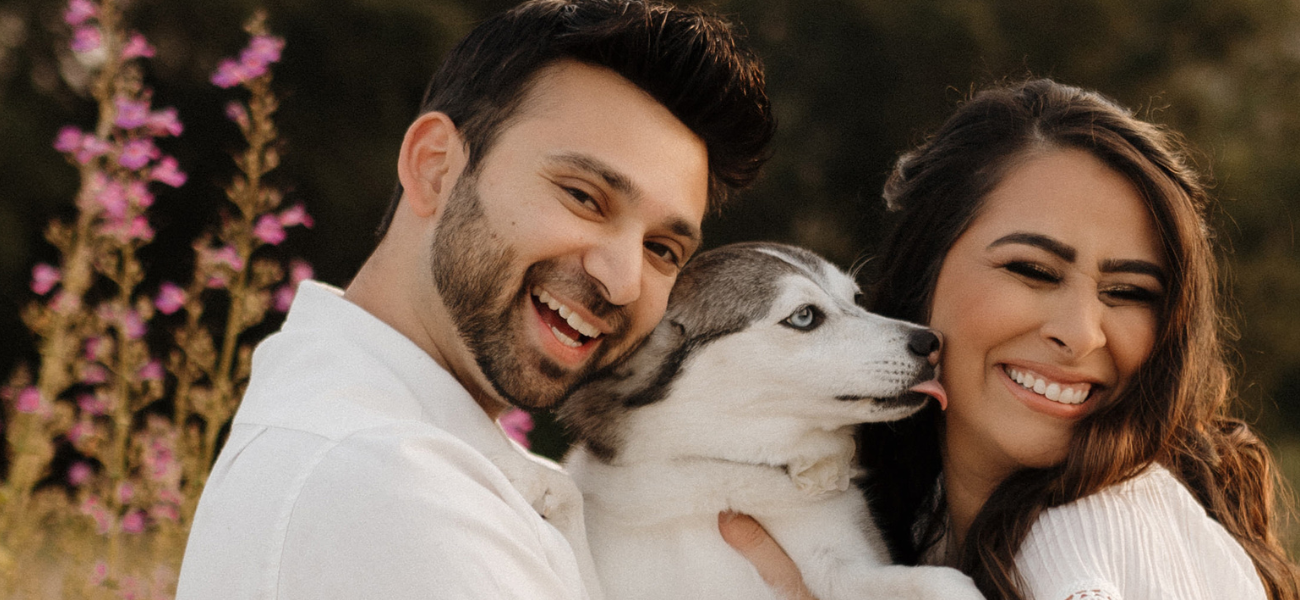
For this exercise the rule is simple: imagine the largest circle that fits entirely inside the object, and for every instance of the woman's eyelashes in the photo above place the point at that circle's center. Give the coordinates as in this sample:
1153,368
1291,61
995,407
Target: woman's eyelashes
1131,294
1120,293
1032,271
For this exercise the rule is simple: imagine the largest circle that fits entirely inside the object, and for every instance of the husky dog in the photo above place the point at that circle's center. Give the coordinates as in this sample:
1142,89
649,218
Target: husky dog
745,399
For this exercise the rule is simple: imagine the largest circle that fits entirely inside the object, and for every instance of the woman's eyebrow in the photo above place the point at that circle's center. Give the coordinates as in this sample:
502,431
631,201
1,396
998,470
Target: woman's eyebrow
1057,247
1140,267
1068,253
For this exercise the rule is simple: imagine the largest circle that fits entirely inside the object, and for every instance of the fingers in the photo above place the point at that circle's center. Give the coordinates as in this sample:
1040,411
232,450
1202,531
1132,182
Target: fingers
749,538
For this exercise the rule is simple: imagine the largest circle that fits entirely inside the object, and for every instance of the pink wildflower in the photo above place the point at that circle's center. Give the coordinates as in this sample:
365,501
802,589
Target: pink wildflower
44,278
86,39
235,112
269,230
97,348
69,139
133,522
112,198
133,325
283,298
125,492
161,462
517,424
137,153
64,302
296,215
151,371
92,147
138,192
169,496
228,256
262,50
78,432
91,404
231,73
170,298
99,574
129,588
299,271
130,113
29,400
94,374
168,172
140,230
137,47
165,511
79,11
94,509
164,122
79,473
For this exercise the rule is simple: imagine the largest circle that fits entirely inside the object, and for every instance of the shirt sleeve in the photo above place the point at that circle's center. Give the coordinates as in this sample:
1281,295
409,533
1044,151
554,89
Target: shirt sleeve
1144,539
390,515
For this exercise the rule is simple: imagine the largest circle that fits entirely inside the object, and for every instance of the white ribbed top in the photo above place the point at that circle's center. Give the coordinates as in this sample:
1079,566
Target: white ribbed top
1147,538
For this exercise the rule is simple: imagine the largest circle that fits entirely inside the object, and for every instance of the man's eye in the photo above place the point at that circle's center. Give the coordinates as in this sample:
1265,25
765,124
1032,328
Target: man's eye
582,197
1032,271
663,252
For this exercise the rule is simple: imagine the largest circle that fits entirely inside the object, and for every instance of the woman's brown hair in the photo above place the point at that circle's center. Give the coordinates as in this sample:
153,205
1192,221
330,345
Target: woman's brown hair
1175,412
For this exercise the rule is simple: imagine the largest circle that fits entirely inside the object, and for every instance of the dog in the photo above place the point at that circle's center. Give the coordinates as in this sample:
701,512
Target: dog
744,399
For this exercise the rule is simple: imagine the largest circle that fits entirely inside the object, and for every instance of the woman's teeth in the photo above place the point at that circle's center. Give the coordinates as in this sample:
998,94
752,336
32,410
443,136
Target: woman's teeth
568,315
1056,392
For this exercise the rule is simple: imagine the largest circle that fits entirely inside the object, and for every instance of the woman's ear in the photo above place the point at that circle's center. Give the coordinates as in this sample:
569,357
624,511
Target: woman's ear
431,160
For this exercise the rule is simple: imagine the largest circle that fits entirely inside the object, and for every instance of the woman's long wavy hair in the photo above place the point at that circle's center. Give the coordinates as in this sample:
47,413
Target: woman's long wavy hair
1176,410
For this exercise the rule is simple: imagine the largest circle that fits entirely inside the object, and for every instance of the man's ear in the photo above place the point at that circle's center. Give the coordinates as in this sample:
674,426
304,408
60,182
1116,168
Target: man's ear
431,159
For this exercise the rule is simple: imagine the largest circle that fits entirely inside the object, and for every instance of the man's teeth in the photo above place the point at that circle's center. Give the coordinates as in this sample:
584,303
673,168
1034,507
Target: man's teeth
564,339
1056,392
568,315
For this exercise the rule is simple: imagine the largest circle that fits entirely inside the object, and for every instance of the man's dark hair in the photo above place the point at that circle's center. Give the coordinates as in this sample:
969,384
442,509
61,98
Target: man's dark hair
690,61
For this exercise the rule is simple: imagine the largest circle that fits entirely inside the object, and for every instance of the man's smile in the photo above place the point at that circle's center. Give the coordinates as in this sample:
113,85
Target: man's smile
576,337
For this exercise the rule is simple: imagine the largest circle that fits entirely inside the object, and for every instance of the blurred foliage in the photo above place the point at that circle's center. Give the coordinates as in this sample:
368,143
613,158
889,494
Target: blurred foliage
854,83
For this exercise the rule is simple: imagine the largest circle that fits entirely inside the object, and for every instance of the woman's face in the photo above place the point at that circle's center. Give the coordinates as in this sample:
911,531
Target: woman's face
1047,303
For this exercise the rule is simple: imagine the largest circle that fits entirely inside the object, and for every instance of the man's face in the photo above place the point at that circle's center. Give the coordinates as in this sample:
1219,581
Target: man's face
556,257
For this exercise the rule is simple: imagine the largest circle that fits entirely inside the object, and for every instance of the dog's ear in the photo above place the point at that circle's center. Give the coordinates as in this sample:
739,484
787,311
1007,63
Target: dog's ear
591,413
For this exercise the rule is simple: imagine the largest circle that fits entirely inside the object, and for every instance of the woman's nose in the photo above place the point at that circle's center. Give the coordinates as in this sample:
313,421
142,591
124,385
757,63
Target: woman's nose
1075,324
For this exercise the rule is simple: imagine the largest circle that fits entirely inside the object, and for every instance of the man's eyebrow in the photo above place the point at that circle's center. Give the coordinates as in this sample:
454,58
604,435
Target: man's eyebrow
685,229
613,178
1057,247
620,183
1140,267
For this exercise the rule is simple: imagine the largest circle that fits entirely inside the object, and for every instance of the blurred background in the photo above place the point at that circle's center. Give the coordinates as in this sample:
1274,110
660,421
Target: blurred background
854,83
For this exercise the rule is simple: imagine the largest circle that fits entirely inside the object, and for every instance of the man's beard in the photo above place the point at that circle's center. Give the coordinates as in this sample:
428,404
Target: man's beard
472,270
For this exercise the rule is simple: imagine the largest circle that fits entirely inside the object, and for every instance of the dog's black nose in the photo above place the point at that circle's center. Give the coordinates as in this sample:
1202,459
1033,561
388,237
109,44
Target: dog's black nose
924,342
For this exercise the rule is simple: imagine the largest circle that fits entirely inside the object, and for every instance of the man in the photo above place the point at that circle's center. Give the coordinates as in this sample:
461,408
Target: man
550,191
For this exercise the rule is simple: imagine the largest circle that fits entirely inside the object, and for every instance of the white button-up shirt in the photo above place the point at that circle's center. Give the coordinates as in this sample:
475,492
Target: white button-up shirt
357,467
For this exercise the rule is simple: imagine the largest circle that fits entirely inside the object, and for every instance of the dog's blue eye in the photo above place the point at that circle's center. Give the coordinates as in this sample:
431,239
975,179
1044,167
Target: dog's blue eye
805,318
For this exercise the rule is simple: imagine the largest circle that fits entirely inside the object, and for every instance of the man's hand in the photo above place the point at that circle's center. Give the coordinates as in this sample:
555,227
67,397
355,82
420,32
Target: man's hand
749,538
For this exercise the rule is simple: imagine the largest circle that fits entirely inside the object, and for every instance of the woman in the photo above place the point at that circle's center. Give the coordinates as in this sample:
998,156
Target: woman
1060,246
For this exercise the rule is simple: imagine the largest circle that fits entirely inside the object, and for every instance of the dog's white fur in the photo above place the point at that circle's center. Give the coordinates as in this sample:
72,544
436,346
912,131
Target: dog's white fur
753,420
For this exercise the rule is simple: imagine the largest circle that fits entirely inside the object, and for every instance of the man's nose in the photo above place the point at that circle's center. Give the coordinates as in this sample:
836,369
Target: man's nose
616,265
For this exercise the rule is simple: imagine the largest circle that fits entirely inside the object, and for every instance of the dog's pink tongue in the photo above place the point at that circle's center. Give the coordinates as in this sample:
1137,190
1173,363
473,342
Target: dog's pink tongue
933,389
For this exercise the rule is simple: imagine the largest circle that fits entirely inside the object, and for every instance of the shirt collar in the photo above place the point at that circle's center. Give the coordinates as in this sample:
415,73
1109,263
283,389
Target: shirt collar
443,400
